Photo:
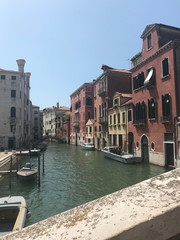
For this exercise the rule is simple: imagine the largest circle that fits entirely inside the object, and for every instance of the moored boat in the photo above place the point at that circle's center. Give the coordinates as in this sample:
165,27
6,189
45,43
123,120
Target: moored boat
115,153
27,172
88,146
35,152
13,213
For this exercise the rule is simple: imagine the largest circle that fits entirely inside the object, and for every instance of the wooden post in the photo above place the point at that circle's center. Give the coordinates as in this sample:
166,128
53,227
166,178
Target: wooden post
43,162
17,158
39,171
10,173
20,165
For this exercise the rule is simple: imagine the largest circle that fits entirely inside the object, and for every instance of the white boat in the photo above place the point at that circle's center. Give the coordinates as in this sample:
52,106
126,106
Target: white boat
114,153
88,146
13,213
35,152
27,172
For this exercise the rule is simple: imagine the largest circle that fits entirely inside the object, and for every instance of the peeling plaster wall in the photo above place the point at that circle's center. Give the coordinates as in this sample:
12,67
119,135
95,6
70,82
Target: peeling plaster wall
149,210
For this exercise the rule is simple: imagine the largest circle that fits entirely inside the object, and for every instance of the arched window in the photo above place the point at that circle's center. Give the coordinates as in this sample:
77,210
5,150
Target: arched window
13,112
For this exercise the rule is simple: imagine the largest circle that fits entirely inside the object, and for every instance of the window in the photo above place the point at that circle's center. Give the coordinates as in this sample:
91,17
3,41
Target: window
13,128
114,118
95,113
116,101
129,116
165,67
166,108
77,105
13,112
119,119
149,42
123,117
89,101
13,77
151,108
3,76
138,81
110,119
140,113
13,93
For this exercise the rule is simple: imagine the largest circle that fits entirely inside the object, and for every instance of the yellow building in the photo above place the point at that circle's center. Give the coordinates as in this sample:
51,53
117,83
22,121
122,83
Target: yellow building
118,119
90,131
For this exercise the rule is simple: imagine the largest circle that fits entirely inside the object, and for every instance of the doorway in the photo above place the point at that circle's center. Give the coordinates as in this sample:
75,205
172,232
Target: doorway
130,142
144,149
169,154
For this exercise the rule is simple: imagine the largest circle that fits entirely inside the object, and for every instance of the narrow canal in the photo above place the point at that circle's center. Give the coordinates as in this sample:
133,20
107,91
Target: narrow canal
73,177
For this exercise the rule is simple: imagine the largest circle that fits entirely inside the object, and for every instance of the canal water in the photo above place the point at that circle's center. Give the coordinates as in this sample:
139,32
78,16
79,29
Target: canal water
72,177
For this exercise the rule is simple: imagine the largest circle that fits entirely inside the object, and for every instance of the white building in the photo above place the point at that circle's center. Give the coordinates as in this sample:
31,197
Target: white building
36,128
14,107
52,121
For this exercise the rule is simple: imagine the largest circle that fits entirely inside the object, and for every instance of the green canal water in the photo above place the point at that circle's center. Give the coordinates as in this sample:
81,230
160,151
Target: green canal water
73,177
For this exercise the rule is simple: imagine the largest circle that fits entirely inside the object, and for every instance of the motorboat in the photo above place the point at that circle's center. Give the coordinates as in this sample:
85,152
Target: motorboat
88,146
35,152
27,172
13,214
116,153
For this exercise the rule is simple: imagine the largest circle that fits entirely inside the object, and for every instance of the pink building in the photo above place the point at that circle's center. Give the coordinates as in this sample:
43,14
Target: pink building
110,81
81,112
156,95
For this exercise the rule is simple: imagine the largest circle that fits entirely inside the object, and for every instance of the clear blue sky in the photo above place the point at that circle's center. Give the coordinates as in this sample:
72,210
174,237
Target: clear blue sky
65,42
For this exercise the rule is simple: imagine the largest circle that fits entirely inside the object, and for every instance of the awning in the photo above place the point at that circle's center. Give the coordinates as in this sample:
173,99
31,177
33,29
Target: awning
149,79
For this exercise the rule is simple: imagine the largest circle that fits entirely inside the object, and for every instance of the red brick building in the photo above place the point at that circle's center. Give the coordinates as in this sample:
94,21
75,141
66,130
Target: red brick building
109,82
156,95
81,112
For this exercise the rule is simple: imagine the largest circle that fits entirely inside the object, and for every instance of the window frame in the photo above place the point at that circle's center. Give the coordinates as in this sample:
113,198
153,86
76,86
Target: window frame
163,67
149,41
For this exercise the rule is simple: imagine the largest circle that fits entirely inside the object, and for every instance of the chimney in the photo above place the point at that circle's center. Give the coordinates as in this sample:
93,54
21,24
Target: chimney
21,63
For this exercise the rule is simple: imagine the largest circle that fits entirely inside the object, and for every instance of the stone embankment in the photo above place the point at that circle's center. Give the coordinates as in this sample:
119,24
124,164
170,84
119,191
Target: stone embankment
5,161
148,210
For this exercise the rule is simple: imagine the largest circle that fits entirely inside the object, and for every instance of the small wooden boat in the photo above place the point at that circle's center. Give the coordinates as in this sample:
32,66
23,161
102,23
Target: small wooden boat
35,152
114,153
27,172
88,146
13,213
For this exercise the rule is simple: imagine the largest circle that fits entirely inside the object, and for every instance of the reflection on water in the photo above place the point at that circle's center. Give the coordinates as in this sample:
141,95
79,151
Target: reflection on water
73,177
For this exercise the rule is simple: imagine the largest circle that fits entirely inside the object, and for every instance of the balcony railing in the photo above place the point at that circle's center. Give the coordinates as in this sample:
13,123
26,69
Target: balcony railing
138,122
12,120
102,120
166,119
102,92
76,124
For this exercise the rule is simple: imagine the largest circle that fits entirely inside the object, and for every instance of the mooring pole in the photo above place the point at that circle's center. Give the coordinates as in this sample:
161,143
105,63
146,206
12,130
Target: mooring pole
43,162
10,172
17,158
39,171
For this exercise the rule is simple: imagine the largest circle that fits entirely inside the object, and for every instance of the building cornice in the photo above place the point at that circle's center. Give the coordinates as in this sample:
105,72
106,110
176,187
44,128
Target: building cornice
167,46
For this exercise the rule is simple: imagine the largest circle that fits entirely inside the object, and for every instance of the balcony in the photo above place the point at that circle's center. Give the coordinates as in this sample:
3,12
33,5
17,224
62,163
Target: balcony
12,120
139,122
165,119
102,92
76,124
102,120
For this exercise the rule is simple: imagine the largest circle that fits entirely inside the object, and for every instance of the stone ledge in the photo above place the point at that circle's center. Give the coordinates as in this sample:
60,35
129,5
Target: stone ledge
148,210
